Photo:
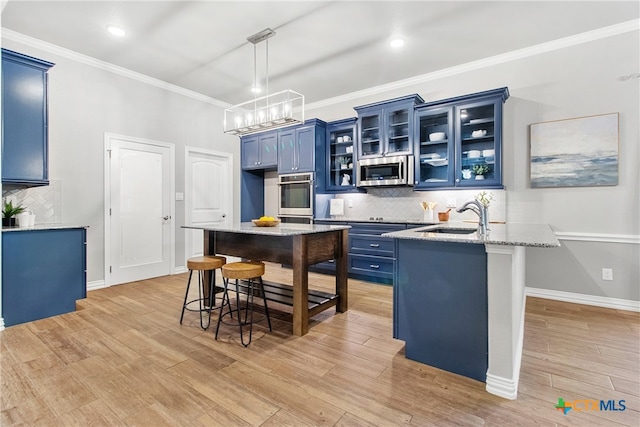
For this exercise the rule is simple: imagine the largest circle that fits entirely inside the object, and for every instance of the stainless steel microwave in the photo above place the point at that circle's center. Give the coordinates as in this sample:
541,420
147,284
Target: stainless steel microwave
385,171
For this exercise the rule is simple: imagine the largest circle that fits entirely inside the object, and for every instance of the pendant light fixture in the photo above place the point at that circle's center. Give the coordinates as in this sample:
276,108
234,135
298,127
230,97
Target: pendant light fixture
266,112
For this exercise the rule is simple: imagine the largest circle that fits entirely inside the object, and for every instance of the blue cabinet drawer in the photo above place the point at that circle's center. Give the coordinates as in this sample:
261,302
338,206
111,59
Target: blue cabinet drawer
371,265
371,245
374,229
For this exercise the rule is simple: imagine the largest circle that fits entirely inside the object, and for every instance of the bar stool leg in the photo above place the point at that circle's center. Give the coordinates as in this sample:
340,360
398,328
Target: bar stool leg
225,297
264,301
186,295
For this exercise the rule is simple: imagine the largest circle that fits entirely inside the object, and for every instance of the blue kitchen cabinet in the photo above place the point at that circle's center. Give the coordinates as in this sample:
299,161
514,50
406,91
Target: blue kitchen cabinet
341,158
284,149
297,147
440,305
260,151
371,257
43,273
24,120
435,148
386,128
470,129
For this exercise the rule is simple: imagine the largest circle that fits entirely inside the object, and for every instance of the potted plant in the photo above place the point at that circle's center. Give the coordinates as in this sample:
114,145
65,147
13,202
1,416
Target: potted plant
480,170
344,162
9,212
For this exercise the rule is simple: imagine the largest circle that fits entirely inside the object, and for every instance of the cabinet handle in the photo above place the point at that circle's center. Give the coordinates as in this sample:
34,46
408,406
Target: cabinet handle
374,245
457,179
376,266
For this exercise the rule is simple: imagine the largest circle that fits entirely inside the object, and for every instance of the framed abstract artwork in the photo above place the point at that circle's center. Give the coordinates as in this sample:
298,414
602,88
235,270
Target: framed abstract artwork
579,152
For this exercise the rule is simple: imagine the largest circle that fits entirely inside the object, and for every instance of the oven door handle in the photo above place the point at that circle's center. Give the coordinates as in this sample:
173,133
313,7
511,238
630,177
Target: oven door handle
296,182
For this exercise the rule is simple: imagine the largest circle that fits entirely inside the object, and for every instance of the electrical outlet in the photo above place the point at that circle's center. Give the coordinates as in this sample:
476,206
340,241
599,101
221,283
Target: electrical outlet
179,196
607,274
350,203
451,202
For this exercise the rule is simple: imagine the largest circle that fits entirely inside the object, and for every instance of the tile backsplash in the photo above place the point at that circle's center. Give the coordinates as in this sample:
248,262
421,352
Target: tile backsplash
45,202
402,203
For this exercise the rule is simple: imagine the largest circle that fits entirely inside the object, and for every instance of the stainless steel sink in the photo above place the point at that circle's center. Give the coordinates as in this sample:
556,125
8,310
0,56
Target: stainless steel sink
447,230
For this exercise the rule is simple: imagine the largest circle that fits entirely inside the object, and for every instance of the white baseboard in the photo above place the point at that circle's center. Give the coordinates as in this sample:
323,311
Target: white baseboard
606,302
1,323
179,270
98,284
503,387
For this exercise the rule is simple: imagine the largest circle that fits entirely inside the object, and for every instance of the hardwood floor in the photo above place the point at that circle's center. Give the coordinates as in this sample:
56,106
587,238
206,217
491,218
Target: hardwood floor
123,359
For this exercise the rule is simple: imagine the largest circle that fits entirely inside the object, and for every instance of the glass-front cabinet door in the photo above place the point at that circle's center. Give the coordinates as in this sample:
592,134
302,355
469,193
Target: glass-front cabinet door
479,131
341,157
435,148
386,128
371,143
398,127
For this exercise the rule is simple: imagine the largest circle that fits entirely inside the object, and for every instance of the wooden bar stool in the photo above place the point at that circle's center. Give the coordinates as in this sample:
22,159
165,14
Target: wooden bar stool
202,264
248,272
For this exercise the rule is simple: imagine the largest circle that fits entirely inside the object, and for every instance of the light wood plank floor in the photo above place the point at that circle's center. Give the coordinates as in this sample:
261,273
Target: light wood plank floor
123,359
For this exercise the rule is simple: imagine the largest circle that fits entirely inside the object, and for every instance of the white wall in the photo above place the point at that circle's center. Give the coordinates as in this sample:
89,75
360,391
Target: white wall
84,103
568,82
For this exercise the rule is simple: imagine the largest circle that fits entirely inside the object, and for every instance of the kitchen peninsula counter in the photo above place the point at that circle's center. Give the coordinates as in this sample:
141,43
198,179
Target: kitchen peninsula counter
459,297
298,245
512,234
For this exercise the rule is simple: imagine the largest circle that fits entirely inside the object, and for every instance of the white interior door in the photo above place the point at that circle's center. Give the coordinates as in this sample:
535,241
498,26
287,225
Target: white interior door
140,209
209,197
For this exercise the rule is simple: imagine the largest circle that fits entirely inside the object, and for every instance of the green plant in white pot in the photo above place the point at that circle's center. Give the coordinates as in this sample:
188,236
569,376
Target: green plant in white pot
9,212
480,170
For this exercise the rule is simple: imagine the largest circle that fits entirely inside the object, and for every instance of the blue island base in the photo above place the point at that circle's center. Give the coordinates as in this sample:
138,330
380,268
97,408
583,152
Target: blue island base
440,305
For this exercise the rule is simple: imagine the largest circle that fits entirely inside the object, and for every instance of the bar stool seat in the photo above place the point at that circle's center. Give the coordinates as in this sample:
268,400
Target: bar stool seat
201,264
247,272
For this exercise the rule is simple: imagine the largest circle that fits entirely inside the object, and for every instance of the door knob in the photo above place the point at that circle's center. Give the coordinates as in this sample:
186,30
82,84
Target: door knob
224,215
167,218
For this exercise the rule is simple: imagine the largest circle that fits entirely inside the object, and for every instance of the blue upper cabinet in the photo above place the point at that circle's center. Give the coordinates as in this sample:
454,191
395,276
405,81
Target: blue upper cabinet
297,147
458,141
260,151
341,156
24,120
386,128
435,148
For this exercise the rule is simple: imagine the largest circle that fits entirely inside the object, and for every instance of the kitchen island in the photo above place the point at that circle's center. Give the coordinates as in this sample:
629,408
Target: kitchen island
298,245
459,298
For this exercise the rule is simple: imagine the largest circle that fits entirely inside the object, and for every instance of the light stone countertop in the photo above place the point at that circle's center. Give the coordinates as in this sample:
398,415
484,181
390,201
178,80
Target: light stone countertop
43,227
281,229
510,234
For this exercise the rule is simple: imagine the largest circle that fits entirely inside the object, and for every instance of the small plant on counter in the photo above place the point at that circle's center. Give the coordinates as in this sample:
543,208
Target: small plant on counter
484,198
9,212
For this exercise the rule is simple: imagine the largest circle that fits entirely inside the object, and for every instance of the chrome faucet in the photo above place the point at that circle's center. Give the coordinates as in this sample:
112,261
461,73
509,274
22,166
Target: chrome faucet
481,211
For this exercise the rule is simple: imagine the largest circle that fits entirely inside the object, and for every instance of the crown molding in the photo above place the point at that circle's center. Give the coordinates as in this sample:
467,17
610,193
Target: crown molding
577,39
106,66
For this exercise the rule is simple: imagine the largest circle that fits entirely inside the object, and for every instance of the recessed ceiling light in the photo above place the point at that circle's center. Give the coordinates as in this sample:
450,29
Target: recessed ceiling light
256,89
397,42
115,30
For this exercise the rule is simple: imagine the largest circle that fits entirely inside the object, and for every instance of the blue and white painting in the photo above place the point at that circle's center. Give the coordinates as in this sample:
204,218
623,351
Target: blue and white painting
575,152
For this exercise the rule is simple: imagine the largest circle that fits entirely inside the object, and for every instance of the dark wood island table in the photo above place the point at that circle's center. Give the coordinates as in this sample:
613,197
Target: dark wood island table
297,245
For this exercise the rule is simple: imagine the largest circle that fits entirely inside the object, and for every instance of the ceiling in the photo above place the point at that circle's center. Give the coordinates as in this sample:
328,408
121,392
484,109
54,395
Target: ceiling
322,49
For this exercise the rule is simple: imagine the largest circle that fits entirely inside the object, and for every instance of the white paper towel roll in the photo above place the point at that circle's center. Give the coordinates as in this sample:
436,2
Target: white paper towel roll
336,207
